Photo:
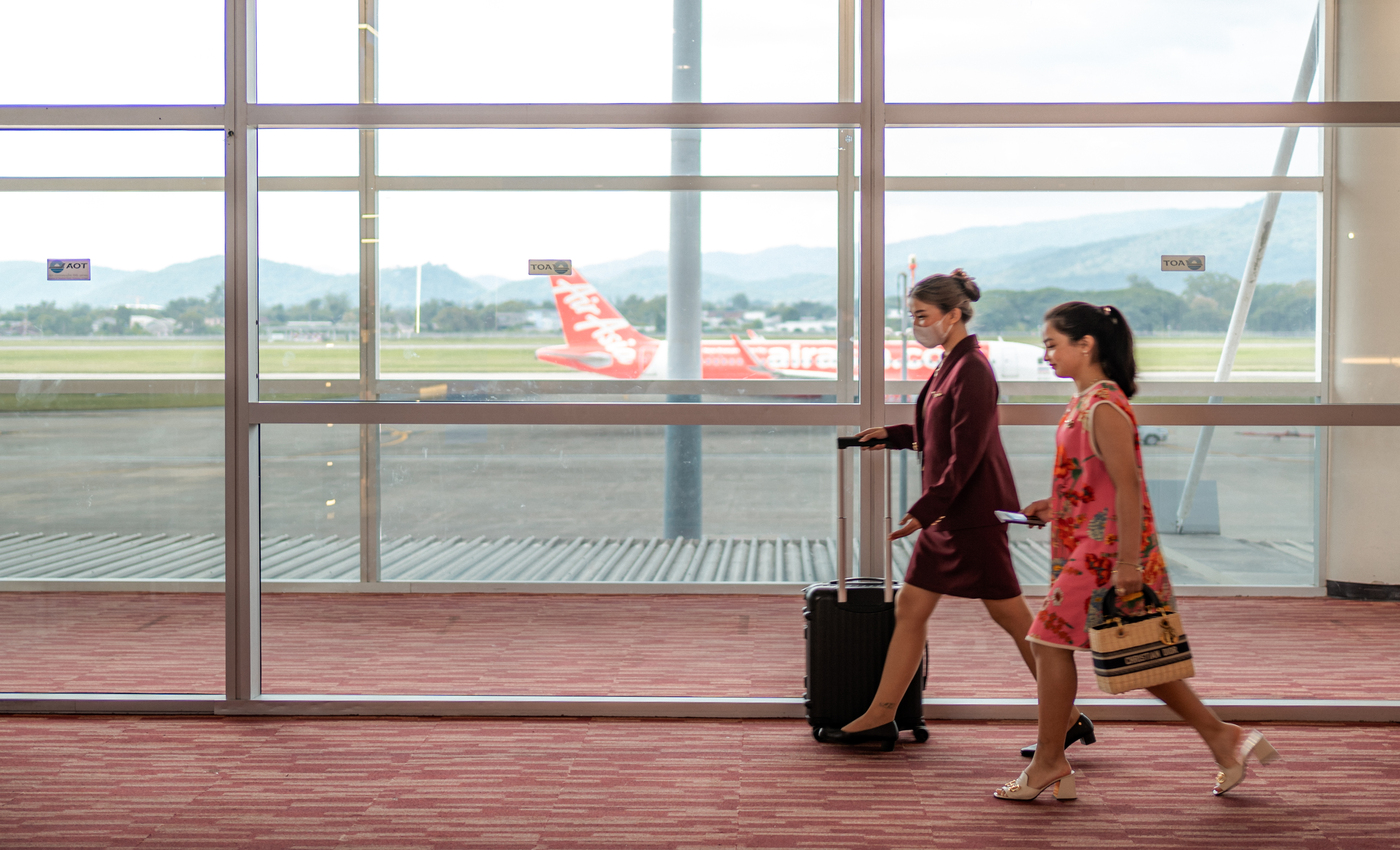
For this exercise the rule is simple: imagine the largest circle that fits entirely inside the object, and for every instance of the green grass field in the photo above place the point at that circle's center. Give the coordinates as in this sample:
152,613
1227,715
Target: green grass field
437,356
1202,354
507,354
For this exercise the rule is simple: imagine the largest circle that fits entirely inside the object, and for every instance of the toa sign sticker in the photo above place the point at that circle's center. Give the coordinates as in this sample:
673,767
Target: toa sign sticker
559,268
1183,262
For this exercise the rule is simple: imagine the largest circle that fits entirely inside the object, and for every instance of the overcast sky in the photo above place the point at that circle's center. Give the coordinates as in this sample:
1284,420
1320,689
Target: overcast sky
567,51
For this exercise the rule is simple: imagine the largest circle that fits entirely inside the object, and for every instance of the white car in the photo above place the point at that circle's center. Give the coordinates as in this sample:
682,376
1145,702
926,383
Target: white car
1151,435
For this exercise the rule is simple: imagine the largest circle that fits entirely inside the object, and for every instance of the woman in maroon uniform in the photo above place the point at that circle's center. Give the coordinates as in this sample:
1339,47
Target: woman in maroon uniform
962,548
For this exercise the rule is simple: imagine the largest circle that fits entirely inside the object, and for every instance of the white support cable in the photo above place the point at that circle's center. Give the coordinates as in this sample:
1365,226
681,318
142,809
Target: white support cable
1307,72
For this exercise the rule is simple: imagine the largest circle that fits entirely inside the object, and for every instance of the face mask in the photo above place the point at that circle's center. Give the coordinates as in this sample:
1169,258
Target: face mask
930,336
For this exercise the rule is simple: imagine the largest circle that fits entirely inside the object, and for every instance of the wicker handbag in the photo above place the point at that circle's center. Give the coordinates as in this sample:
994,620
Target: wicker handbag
1136,651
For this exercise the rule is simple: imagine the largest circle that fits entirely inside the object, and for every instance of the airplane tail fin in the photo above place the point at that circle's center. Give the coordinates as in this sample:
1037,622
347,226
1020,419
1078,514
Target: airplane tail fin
598,338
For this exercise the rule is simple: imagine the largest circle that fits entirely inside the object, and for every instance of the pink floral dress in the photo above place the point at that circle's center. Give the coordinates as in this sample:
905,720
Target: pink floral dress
1084,529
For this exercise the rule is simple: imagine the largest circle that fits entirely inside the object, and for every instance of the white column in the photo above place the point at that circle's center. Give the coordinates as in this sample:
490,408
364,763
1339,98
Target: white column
1366,301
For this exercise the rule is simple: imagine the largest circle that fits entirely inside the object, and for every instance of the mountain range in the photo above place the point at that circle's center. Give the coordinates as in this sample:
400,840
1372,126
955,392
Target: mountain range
1085,253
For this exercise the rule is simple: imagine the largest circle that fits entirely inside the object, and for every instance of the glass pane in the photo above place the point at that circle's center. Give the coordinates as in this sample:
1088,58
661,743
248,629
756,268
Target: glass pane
153,306
310,489
308,153
113,153
308,51
1235,536
1030,251
602,152
1160,50
1096,152
1231,537
467,503
308,292
96,52
111,441
773,484
554,51
461,320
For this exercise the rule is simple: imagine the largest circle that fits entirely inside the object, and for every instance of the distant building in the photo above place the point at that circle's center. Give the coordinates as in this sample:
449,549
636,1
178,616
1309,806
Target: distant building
537,320
808,326
153,325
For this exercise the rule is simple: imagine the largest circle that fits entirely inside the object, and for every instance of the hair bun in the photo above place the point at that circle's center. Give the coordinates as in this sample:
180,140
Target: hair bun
966,282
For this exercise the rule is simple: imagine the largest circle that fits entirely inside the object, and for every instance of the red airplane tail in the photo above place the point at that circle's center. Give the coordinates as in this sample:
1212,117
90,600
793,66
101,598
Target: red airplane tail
597,338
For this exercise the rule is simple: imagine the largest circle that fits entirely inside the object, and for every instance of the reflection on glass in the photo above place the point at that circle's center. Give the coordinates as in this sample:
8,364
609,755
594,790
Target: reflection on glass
1232,537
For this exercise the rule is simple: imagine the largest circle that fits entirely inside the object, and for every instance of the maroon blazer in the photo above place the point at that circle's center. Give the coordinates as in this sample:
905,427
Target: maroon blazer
966,475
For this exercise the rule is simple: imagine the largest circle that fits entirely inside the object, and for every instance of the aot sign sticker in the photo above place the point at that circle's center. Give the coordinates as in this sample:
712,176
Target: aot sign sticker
69,269
563,268
1183,262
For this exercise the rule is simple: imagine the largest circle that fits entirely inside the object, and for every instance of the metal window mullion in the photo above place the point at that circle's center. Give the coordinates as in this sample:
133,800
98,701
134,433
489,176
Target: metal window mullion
1105,183
667,115
369,295
871,333
242,594
1254,114
844,181
1326,293
846,189
195,117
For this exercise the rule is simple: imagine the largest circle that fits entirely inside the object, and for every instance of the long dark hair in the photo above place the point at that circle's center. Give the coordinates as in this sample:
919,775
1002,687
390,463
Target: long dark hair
948,291
1109,328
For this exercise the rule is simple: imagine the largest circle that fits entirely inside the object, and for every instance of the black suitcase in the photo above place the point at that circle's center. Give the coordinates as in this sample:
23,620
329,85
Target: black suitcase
849,624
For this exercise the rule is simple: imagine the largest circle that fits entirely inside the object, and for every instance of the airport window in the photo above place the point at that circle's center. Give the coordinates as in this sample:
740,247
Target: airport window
1020,51
314,354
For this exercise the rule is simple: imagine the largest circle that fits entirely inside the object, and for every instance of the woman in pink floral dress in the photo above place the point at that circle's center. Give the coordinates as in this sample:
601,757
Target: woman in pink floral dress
1098,497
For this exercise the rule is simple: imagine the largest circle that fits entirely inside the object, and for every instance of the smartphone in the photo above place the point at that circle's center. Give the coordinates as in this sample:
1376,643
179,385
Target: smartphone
1018,518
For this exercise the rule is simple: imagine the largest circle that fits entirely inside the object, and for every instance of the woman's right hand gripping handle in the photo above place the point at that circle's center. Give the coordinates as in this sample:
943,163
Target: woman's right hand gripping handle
873,434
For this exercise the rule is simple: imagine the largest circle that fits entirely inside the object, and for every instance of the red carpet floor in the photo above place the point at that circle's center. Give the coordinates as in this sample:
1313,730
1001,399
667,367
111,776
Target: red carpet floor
278,784
628,646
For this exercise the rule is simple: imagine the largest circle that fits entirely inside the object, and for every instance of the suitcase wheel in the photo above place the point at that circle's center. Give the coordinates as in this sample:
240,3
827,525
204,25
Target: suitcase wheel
921,734
816,733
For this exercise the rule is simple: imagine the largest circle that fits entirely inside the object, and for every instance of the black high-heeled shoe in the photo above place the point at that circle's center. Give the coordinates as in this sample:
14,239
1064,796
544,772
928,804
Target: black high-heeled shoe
1082,730
885,735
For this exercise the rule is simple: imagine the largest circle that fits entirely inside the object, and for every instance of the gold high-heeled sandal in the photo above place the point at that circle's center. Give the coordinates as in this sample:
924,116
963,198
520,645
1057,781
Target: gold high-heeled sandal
1253,744
1020,789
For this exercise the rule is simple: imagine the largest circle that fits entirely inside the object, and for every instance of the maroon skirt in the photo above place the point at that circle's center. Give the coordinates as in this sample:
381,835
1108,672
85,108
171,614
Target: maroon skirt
973,563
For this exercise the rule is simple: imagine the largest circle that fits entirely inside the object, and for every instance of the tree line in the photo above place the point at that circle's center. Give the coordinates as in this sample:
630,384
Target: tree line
1204,307
47,318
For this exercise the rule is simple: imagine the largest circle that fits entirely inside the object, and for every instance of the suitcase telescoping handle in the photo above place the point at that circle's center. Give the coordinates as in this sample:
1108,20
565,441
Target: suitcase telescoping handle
843,542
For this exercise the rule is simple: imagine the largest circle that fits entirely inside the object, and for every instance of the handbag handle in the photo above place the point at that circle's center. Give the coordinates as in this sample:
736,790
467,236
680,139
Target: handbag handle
1110,607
